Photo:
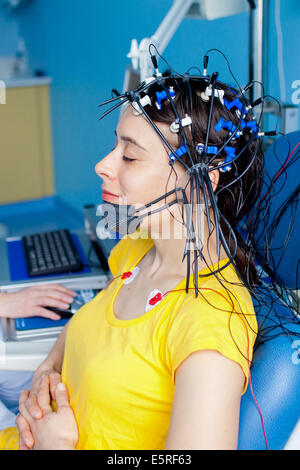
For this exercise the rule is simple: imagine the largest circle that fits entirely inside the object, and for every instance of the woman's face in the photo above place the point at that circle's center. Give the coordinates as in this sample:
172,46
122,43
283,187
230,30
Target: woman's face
137,170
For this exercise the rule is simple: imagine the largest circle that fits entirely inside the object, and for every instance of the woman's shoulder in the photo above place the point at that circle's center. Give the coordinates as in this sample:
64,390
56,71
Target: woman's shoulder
218,300
221,318
129,250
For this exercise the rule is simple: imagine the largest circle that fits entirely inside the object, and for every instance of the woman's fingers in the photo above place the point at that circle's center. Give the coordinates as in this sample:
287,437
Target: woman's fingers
55,379
22,404
62,397
26,440
23,422
43,395
28,405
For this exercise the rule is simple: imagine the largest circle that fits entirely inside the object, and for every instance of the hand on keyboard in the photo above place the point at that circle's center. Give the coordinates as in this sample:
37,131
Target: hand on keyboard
31,302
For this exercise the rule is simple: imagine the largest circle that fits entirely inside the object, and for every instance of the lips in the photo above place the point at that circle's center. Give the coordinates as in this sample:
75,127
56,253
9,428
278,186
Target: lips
109,193
107,196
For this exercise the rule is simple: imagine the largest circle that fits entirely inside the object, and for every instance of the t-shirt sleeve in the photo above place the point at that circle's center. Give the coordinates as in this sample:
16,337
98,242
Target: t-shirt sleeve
210,324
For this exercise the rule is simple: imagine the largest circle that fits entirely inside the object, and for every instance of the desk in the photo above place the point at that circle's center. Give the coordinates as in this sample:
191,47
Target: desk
27,355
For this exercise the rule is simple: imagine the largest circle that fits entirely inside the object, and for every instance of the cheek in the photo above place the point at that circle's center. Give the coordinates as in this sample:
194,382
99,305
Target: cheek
157,182
142,183
130,177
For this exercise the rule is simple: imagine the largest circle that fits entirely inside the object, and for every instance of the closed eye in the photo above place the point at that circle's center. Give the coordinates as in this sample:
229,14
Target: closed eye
126,159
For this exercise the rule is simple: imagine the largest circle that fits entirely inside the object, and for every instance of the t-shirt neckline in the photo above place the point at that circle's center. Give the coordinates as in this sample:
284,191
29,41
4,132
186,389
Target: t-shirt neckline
115,321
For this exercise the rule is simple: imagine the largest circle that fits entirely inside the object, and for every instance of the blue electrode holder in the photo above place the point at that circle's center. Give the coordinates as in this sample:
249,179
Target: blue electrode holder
230,155
178,153
210,149
163,95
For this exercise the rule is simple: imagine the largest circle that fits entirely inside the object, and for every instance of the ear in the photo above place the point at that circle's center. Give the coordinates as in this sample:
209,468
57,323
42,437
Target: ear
214,177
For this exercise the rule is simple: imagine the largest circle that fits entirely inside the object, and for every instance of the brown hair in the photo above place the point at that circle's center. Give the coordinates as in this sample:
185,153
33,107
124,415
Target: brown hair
236,192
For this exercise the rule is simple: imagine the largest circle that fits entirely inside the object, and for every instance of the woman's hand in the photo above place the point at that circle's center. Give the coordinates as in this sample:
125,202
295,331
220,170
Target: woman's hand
32,406
55,430
32,301
52,367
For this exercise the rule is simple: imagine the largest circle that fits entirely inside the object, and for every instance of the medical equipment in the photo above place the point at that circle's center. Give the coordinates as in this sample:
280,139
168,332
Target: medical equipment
180,9
258,10
197,158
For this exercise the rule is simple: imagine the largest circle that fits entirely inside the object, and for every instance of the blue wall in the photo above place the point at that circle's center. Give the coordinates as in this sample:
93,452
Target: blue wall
83,47
9,31
290,23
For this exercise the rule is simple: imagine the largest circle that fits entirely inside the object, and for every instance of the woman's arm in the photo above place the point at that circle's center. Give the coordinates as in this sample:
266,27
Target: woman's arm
51,367
55,358
206,405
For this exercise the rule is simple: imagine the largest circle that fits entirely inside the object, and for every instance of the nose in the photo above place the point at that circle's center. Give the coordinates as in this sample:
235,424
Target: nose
105,167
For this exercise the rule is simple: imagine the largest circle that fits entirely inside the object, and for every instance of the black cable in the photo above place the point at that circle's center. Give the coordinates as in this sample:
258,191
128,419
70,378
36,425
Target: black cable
267,295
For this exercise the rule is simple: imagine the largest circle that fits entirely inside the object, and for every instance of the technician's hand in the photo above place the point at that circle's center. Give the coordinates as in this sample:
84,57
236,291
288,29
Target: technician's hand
32,301
55,430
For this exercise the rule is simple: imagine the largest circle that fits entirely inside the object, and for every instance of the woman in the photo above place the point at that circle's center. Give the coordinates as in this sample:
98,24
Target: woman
148,364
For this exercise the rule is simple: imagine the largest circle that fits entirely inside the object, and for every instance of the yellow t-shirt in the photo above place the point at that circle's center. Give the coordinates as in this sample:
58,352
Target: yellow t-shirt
120,373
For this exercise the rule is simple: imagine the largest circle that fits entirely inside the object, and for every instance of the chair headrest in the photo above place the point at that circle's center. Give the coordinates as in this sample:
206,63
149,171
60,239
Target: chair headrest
283,238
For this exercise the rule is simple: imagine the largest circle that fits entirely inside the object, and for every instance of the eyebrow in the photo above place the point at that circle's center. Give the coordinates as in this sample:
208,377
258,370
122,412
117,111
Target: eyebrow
126,138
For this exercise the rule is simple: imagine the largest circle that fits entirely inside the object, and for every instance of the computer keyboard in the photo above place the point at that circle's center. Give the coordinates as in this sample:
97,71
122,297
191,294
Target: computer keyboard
51,253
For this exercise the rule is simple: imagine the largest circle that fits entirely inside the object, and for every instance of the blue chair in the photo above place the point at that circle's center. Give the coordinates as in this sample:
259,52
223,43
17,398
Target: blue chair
275,377
276,363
